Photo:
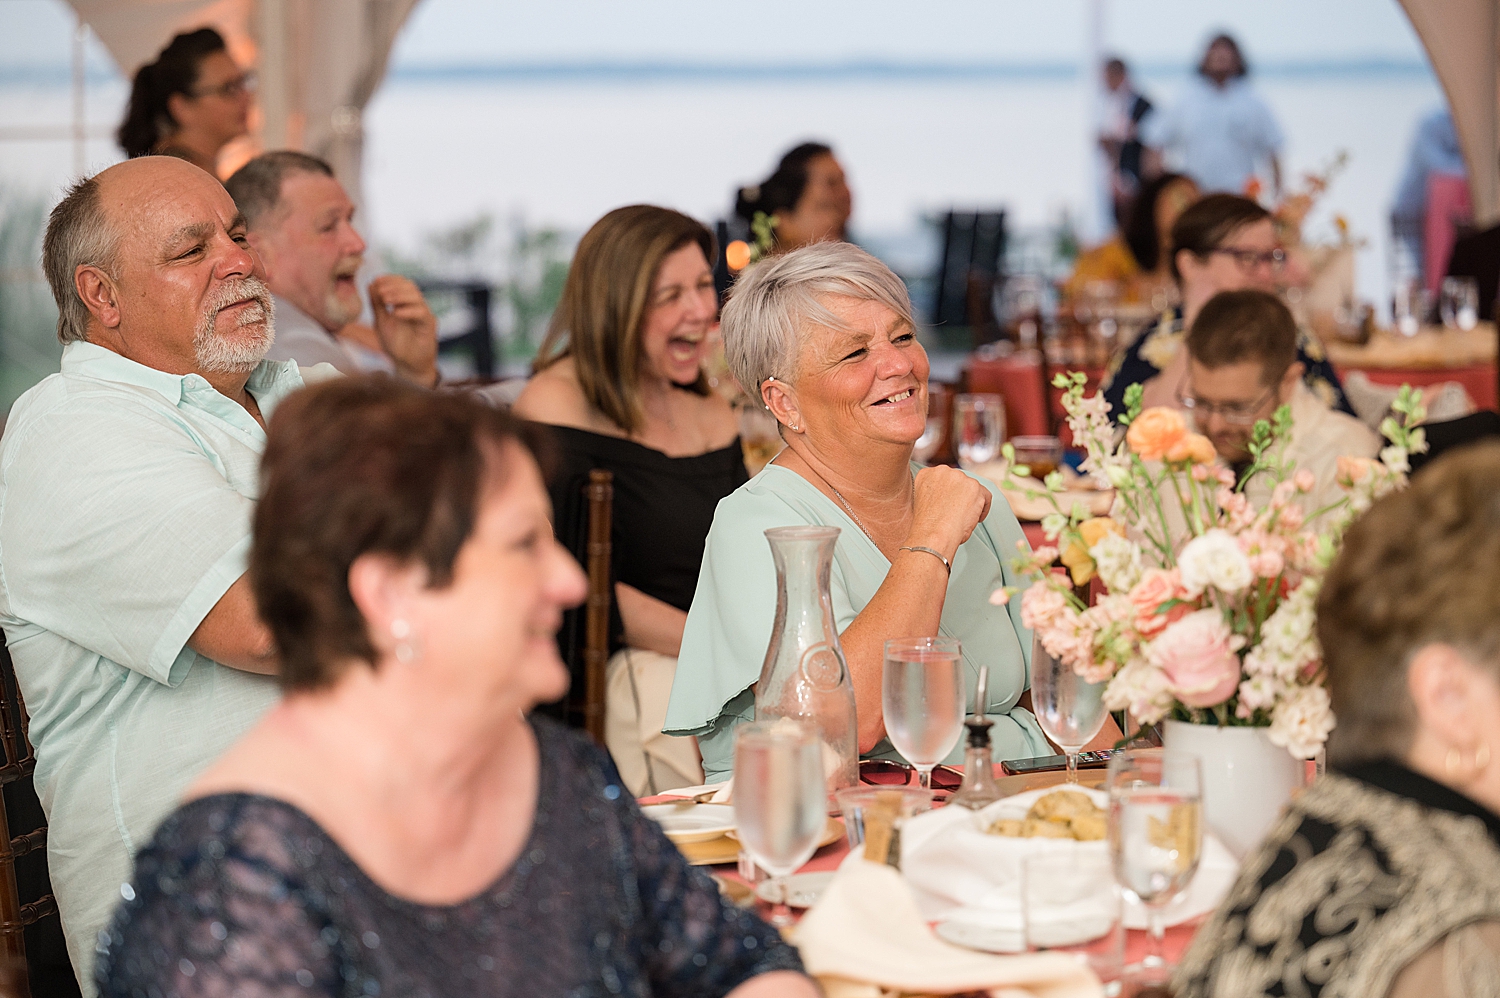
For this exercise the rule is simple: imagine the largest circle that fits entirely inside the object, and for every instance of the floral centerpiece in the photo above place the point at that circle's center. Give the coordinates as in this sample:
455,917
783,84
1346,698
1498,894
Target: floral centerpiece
1208,617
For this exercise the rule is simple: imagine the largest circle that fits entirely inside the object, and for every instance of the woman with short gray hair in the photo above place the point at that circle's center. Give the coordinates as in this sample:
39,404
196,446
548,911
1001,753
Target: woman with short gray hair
824,336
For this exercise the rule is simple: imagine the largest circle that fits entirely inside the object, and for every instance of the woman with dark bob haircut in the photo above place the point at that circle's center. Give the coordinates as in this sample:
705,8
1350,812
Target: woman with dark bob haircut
398,825
190,103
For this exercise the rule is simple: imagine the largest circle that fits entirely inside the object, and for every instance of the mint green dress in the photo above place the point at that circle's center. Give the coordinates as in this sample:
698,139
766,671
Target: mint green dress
729,624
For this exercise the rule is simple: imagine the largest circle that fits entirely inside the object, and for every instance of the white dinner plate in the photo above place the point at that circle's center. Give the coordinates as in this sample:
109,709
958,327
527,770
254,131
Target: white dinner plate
802,889
983,929
692,822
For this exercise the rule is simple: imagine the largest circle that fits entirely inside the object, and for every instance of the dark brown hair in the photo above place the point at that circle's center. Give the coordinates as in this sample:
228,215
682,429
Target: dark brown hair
175,71
256,186
1208,222
363,465
598,320
783,188
1234,46
1421,567
1248,325
1140,233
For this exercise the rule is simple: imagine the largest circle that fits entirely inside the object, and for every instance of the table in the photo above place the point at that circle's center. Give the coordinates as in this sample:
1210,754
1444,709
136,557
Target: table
1433,355
830,856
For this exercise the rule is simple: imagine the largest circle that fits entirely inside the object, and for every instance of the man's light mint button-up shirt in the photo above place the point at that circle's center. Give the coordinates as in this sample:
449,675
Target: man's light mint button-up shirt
126,497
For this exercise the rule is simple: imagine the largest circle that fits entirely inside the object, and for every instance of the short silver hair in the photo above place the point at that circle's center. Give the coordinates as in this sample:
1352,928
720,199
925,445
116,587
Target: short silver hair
776,302
78,235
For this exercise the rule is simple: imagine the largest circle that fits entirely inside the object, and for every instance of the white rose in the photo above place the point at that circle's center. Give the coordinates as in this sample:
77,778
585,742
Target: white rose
1301,722
1214,559
1118,562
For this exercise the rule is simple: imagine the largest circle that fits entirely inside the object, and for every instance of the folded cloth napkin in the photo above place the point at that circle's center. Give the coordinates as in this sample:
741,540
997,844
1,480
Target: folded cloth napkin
952,862
724,792
865,937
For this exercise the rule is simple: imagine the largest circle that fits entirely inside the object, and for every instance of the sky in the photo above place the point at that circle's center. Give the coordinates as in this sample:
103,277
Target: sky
34,34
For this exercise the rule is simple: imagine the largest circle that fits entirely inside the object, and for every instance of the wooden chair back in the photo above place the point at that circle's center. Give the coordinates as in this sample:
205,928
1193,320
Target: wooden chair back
599,493
19,761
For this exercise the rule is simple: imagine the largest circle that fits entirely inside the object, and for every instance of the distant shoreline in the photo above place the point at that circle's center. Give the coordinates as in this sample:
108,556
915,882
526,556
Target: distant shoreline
585,72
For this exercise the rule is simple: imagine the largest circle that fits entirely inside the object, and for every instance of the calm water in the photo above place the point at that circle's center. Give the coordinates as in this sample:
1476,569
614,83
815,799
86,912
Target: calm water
561,153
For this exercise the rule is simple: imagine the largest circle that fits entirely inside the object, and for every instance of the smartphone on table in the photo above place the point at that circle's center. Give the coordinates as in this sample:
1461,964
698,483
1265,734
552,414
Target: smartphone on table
1054,763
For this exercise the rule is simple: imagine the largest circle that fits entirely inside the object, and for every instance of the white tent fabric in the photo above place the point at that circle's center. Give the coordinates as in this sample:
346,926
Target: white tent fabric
319,61
1462,38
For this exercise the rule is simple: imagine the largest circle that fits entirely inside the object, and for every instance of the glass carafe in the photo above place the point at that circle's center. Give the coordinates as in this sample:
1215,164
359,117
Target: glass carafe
804,675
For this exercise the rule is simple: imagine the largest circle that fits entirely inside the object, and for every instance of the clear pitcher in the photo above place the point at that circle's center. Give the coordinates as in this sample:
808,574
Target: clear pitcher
805,675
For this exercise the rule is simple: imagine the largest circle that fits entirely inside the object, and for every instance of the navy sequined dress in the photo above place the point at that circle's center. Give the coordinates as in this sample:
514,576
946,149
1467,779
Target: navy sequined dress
241,895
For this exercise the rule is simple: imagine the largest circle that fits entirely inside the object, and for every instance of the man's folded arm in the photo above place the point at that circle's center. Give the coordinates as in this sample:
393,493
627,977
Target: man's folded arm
232,633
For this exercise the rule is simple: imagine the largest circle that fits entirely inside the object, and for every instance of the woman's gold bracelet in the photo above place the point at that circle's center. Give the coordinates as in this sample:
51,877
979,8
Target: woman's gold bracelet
927,550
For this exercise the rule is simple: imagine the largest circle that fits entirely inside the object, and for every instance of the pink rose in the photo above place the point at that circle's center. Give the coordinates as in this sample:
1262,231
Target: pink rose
1197,656
1157,586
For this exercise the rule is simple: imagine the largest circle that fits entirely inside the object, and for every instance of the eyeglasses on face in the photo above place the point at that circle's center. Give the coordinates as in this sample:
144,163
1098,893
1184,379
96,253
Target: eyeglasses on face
1249,259
242,84
892,773
1233,413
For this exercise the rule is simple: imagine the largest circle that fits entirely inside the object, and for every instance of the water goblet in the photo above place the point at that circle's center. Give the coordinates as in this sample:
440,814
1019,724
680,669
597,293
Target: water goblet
1459,304
931,440
780,799
923,695
978,428
1155,838
1069,710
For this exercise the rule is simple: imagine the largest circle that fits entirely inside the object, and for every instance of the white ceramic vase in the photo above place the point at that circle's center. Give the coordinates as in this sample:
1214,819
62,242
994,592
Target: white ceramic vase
1246,779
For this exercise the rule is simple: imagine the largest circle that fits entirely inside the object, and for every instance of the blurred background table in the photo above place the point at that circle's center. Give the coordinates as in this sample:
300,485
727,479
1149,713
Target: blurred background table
1433,355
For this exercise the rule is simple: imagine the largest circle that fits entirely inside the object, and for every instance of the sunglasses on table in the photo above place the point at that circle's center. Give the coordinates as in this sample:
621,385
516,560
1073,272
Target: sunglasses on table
891,773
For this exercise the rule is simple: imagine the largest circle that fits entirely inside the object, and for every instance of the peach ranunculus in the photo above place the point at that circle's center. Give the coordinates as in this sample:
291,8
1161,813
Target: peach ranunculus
1353,470
1156,588
1156,431
1194,447
1197,656
1094,530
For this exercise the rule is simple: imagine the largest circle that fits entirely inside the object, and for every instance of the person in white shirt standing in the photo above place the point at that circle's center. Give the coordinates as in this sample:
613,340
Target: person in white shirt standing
302,225
1219,131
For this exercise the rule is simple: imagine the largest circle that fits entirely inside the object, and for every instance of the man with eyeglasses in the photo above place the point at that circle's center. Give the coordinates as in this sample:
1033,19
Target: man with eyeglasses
1241,366
1222,243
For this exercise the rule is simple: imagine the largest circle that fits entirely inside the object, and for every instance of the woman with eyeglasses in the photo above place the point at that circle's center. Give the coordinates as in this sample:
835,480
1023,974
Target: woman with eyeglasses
190,103
1222,243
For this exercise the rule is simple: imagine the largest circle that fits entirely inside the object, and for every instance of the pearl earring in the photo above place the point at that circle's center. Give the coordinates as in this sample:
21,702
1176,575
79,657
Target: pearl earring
404,651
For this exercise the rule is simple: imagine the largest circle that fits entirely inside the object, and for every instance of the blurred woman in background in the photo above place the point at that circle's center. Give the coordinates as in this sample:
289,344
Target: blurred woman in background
619,380
807,198
190,103
398,824
1137,258
1382,879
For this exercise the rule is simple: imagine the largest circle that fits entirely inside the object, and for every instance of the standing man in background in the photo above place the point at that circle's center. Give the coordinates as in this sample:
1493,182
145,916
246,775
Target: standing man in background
1219,131
1119,137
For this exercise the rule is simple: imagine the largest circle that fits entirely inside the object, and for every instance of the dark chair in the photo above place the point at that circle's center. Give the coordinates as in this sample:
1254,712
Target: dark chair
478,341
600,492
973,249
19,801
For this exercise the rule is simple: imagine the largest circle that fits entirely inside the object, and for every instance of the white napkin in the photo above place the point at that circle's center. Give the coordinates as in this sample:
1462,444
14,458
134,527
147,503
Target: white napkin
865,933
725,794
952,863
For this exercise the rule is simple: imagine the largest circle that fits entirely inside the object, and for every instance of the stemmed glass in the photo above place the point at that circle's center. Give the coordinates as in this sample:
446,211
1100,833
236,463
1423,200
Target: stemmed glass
1069,710
1155,838
978,428
1459,305
780,799
923,695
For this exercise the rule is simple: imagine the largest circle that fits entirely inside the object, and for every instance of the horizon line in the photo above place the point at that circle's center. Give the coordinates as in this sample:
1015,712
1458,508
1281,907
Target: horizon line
592,69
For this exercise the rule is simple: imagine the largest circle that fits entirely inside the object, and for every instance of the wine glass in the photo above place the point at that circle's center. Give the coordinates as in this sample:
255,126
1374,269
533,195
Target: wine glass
978,428
780,799
1069,710
923,695
931,440
1459,304
1155,837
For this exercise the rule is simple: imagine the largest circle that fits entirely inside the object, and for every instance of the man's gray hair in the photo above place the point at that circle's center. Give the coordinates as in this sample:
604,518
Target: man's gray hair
256,186
78,235
777,301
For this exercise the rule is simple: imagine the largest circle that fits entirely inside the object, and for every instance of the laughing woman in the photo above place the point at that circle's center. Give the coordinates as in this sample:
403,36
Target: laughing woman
824,335
619,379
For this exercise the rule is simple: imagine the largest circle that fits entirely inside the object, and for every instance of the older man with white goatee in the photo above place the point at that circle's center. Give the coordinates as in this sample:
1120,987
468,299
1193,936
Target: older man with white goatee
127,483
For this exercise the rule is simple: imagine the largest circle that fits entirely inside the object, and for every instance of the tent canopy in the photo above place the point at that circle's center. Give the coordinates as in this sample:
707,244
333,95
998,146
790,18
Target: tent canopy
318,61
